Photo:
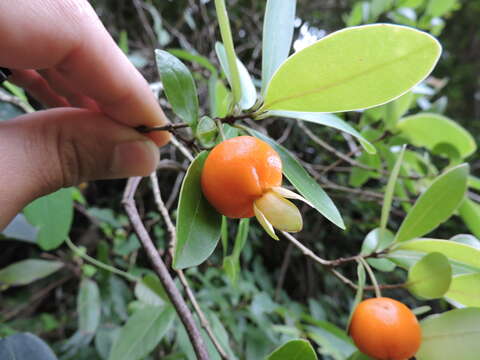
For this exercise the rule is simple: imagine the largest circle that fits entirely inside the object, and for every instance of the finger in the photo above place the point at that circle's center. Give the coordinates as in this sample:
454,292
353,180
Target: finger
67,35
38,87
47,150
58,83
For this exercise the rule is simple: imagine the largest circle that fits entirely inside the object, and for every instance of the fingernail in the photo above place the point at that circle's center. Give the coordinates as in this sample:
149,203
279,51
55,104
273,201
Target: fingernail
136,158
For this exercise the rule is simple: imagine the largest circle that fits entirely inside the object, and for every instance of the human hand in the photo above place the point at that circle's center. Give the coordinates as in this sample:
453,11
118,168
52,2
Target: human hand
99,98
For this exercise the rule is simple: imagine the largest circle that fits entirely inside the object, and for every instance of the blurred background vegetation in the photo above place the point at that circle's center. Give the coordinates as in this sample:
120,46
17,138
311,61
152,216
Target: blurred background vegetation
279,294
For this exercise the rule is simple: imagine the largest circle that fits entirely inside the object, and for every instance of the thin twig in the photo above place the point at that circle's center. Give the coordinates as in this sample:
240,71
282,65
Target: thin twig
161,270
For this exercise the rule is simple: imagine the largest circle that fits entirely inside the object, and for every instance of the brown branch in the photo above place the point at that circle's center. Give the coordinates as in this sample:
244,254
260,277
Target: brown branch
188,290
161,270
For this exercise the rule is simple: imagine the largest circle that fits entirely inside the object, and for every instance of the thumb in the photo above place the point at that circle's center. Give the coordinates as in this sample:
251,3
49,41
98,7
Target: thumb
47,150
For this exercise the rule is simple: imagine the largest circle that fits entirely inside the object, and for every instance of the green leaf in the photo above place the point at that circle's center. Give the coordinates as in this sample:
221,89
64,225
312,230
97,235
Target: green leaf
179,87
25,346
105,337
451,335
437,8
467,239
474,182
436,204
438,134
359,356
470,213
219,97
247,88
332,340
53,216
303,182
390,190
142,333
360,67
382,264
150,291
88,306
231,264
430,277
231,58
278,27
207,131
464,290
27,271
327,120
294,349
200,60
198,224
376,240
463,258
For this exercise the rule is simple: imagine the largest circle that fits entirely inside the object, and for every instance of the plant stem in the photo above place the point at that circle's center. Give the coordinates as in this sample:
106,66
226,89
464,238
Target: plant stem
378,293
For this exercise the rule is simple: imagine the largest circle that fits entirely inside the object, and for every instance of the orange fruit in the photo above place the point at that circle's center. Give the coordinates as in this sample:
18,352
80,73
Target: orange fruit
385,329
237,172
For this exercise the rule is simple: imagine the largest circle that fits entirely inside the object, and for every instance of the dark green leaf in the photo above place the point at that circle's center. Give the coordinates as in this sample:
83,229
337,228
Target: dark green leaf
52,215
199,224
179,87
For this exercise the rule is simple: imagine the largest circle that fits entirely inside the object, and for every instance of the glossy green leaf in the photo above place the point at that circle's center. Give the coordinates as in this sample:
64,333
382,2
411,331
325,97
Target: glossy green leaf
354,68
294,349
430,277
470,213
376,240
390,190
88,306
463,258
198,224
303,182
451,335
142,333
150,291
247,88
438,134
53,216
327,120
25,346
278,26
231,59
436,204
27,271
464,290
179,87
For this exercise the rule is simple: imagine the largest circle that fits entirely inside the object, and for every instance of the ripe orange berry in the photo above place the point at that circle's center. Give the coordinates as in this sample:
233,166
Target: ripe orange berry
237,172
242,177
385,329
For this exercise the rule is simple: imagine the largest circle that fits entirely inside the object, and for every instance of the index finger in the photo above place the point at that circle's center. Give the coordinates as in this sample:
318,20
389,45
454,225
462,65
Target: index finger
67,35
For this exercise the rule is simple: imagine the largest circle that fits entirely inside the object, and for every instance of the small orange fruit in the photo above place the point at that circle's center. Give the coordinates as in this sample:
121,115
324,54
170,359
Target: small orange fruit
385,329
242,177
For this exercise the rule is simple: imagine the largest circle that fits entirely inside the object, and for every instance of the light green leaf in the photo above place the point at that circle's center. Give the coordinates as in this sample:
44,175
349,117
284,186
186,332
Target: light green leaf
437,8
354,68
142,333
294,349
53,216
179,87
436,204
474,182
359,356
464,290
247,88
438,134
451,335
303,182
231,264
278,27
219,97
88,306
327,120
27,271
150,291
376,240
332,340
467,239
198,224
226,34
430,277
470,213
463,258
200,60
207,131
390,190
